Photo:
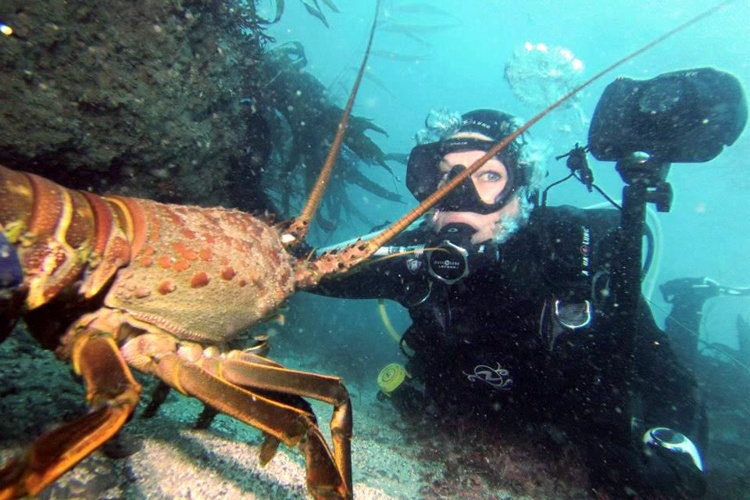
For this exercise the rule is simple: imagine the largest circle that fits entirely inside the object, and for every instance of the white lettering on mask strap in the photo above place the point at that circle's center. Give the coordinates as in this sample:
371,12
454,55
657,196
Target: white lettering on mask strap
479,124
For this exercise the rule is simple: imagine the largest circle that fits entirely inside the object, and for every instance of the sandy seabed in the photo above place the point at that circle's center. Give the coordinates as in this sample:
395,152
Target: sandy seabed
391,458
179,462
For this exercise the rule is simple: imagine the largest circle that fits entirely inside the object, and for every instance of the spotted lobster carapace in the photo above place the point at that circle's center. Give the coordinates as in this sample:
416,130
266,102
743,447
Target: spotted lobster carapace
114,283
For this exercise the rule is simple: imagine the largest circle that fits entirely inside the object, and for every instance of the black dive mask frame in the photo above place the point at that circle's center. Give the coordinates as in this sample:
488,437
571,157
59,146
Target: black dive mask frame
423,176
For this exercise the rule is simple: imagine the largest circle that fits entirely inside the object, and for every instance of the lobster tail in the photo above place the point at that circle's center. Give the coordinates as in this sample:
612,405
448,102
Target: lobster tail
64,238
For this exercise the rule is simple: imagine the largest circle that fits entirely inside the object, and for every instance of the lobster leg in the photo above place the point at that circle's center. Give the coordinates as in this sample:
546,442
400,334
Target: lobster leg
206,380
250,370
111,392
254,371
160,393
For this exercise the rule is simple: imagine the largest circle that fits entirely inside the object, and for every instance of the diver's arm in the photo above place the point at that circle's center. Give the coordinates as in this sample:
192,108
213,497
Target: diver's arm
384,276
665,458
668,387
371,280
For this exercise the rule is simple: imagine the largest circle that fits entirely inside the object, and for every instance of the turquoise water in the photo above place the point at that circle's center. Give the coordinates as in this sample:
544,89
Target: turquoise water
439,54
453,55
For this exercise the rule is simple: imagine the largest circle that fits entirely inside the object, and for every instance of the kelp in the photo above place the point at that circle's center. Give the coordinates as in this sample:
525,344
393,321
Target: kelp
312,7
303,119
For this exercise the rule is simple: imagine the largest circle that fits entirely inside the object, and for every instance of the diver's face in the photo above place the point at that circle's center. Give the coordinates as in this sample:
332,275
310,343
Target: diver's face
489,181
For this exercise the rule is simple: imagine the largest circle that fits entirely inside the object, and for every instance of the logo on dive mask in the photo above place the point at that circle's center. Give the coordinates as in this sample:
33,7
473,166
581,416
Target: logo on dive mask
454,256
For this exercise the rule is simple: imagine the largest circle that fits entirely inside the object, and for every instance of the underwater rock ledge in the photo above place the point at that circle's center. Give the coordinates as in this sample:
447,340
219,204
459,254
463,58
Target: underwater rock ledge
141,95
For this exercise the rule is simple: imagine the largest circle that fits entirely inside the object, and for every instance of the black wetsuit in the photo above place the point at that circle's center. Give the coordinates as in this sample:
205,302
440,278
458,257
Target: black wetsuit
492,344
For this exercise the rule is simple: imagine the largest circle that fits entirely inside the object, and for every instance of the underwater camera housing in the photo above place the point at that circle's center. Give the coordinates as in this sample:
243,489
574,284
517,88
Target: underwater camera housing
685,116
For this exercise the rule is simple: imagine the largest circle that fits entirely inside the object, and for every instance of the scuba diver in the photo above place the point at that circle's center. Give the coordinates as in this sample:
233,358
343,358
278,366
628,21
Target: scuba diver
687,297
512,317
510,313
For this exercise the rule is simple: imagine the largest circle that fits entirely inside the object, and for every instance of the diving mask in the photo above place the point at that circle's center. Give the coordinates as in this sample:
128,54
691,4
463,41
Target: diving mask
423,176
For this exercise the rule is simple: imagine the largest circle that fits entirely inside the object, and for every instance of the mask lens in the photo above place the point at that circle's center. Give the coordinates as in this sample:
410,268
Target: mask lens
465,198
422,172
423,176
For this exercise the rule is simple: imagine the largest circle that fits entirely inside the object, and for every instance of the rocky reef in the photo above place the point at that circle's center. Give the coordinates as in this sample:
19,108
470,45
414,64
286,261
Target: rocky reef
178,101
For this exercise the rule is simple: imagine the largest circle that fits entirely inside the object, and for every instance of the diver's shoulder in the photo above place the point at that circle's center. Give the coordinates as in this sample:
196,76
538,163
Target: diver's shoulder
573,214
415,236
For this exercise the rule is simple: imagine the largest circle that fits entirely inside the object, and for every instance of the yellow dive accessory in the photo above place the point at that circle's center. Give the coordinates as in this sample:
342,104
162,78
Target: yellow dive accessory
387,322
391,377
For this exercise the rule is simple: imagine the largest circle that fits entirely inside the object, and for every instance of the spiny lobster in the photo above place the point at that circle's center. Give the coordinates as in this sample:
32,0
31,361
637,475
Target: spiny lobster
113,282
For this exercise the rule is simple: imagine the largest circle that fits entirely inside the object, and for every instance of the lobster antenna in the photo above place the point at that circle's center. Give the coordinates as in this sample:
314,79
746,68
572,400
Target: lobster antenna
435,197
298,229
